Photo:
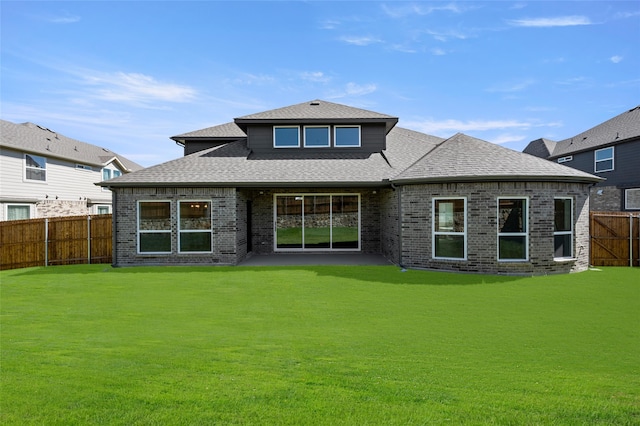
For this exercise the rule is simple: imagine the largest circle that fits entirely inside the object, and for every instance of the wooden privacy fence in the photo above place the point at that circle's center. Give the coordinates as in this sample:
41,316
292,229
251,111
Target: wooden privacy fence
55,241
615,238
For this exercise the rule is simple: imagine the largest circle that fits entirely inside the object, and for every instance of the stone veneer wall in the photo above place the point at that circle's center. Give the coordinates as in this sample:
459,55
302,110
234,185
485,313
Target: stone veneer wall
58,208
225,237
482,199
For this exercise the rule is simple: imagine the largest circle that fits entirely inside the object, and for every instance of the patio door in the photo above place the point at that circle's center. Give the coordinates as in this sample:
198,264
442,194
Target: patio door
317,222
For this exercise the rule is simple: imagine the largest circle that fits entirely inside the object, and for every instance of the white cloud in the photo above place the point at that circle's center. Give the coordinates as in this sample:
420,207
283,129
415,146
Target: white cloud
438,52
512,86
61,19
449,126
396,12
353,89
447,35
315,76
137,88
507,138
560,21
360,40
616,59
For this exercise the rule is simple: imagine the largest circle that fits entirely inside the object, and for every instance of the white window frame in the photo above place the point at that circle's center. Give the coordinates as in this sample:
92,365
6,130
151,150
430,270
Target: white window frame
209,231
275,145
514,234
335,135
139,232
26,167
113,173
565,159
596,161
330,195
451,233
328,145
570,232
626,199
84,167
102,206
6,210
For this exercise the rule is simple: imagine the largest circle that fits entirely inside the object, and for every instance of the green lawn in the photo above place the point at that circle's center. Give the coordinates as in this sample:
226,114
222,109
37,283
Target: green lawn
317,345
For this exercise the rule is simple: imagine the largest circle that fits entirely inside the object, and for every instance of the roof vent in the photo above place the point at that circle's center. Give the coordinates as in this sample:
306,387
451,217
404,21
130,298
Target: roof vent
315,103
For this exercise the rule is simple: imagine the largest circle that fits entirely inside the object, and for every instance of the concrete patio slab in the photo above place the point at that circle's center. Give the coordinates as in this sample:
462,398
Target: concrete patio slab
311,259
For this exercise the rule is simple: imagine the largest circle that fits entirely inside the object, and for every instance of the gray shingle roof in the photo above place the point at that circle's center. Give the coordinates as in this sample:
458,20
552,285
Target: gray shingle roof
463,158
410,156
31,138
620,128
540,148
316,109
223,131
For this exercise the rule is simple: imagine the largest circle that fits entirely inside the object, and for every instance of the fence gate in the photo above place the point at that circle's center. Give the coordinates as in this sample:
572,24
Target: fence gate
615,239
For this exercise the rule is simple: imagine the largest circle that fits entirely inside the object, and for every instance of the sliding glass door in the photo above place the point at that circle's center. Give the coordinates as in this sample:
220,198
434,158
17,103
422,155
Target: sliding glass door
317,222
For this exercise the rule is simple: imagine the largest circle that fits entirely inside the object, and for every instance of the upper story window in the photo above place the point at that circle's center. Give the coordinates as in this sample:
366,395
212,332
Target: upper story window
347,136
604,160
316,136
35,168
286,137
109,173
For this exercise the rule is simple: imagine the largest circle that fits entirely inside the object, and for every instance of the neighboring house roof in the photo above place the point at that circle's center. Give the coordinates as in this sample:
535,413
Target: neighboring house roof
34,139
463,158
409,157
317,111
619,129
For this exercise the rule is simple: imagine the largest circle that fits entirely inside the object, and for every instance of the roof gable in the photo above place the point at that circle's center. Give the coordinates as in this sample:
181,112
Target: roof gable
316,111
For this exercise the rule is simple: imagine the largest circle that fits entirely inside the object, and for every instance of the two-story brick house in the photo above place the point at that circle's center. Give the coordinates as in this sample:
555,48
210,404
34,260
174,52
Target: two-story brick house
46,174
610,150
320,177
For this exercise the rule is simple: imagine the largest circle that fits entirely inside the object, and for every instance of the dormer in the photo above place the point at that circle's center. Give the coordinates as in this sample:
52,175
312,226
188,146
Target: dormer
318,126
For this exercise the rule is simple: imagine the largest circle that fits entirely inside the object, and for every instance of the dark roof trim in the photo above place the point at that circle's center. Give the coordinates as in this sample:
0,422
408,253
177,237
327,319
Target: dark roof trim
369,184
389,122
511,178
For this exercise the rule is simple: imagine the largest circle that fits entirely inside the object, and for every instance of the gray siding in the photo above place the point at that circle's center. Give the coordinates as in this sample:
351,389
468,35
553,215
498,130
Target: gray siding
626,162
373,139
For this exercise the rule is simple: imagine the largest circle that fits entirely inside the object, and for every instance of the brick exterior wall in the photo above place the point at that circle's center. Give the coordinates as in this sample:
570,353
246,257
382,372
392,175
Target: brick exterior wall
223,206
389,224
606,199
482,241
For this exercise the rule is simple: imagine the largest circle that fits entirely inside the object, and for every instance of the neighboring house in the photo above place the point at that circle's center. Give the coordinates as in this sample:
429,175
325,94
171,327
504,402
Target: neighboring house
45,174
610,150
320,177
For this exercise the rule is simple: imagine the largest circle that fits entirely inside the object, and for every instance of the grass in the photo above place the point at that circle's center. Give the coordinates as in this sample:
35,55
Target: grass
317,345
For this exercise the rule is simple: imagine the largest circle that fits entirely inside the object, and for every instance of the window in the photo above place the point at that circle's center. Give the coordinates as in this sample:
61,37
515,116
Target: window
347,136
565,159
108,174
83,167
103,209
195,227
35,168
563,228
286,137
632,199
18,212
449,228
154,227
604,160
513,238
317,222
316,136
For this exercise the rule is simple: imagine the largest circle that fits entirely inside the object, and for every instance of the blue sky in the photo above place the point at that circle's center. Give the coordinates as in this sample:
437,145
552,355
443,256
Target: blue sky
128,75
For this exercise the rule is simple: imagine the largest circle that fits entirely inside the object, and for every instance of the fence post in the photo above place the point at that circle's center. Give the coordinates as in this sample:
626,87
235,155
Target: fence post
631,239
89,239
46,242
